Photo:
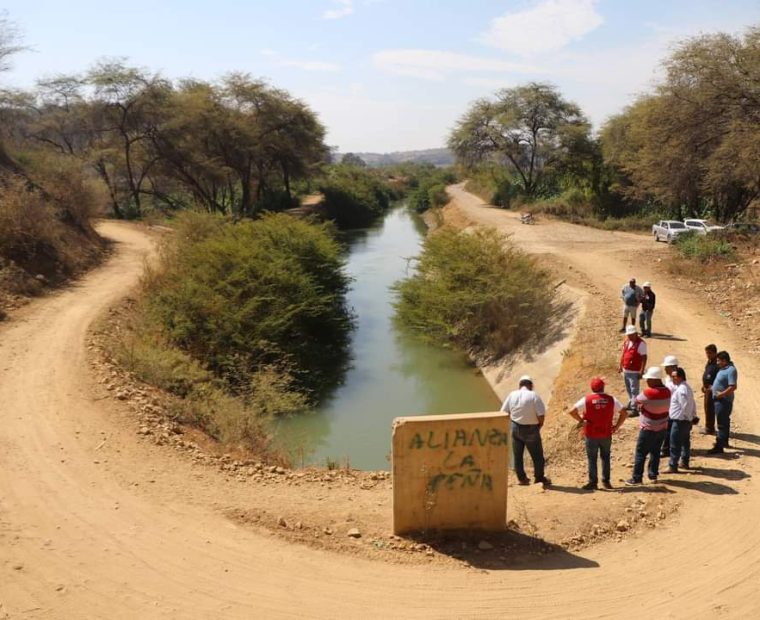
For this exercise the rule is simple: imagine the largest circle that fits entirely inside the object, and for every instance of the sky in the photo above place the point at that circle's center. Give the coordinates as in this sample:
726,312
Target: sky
383,75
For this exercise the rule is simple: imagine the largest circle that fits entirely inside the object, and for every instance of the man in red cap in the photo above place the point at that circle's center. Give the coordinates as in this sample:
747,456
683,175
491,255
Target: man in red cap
595,412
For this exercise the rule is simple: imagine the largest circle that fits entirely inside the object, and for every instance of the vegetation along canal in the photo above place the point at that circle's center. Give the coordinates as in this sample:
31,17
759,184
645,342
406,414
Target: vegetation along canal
392,373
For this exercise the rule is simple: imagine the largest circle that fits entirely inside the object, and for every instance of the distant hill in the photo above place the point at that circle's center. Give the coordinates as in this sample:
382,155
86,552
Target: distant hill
437,157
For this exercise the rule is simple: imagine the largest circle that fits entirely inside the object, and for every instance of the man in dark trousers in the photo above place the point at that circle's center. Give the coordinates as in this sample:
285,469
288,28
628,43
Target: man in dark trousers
526,410
708,377
723,389
647,310
653,423
595,412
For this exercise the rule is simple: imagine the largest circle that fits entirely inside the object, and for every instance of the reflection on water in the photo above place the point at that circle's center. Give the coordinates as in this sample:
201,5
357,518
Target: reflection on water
392,373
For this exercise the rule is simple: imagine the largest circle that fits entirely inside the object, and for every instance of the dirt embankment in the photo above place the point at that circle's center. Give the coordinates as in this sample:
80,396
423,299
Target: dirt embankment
95,523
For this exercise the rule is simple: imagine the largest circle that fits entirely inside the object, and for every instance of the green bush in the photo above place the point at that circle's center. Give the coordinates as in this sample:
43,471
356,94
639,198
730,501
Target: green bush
257,294
354,197
704,248
476,292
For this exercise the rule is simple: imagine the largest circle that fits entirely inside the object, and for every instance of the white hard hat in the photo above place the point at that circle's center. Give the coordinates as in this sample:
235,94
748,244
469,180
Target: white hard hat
630,330
526,378
653,372
647,284
670,360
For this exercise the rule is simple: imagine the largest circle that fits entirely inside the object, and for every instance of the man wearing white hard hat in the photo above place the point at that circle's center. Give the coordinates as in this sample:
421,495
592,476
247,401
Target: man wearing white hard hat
527,411
647,310
633,360
654,403
669,366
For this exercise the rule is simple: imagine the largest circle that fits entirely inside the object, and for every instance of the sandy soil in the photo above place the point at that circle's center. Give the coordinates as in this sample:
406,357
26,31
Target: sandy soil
95,522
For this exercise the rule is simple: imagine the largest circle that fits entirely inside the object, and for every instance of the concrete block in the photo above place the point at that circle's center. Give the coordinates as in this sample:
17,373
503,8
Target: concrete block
450,472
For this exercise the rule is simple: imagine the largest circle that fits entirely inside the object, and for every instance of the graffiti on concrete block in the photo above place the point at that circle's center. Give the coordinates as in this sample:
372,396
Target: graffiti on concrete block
458,438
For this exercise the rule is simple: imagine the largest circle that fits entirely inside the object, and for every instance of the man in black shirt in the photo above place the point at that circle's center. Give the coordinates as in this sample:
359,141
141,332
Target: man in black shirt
711,369
647,309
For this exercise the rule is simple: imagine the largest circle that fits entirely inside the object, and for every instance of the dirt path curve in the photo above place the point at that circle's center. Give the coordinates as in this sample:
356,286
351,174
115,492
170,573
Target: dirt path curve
82,535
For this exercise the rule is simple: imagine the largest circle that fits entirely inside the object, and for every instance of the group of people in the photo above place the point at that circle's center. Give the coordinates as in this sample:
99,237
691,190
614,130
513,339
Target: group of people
638,301
666,409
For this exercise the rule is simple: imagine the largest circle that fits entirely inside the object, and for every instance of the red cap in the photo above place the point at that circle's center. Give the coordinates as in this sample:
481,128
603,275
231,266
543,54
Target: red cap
597,384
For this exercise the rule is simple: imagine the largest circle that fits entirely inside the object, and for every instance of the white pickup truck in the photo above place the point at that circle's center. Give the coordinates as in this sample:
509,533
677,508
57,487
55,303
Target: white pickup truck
701,226
668,230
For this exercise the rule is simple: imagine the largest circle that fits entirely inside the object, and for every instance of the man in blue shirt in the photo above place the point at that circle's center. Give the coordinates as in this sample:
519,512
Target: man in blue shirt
723,389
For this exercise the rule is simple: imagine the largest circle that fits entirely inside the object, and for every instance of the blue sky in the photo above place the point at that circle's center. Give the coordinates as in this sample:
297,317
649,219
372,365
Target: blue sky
383,75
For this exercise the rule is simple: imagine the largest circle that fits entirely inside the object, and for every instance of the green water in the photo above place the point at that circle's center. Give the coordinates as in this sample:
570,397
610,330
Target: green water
392,373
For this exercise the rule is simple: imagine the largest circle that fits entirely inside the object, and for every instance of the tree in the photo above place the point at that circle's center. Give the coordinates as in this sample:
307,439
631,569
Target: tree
128,104
9,45
530,129
351,159
693,145
10,41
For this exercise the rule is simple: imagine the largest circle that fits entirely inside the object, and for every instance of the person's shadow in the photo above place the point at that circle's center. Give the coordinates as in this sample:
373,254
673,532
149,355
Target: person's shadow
671,337
703,486
748,437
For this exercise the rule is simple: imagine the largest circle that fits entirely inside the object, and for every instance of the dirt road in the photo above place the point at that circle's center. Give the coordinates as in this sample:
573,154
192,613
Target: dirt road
94,524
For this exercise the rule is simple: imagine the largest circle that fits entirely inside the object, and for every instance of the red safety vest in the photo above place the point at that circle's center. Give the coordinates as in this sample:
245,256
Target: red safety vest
632,359
600,409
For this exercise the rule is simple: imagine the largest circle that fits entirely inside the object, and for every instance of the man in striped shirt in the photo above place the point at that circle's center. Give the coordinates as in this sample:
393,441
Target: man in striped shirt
654,405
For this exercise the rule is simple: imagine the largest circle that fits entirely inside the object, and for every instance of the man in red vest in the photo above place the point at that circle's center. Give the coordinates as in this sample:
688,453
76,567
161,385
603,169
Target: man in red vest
633,360
595,412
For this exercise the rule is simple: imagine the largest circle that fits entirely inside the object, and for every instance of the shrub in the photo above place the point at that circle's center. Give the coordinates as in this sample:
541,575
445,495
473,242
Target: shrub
704,248
44,223
257,294
475,291
199,397
354,197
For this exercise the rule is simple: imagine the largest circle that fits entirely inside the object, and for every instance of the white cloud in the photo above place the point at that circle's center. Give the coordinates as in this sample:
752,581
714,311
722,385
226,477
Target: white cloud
549,25
437,64
342,8
310,65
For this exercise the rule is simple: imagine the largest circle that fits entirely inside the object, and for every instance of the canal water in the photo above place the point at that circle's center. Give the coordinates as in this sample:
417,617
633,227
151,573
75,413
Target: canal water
392,373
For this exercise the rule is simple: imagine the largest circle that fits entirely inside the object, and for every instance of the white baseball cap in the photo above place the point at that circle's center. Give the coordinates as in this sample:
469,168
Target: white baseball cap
647,284
653,372
630,330
670,360
526,378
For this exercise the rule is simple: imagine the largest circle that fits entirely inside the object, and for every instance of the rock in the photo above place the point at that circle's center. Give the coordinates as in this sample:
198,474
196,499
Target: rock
328,531
298,525
281,522
622,526
280,470
354,533
144,430
484,545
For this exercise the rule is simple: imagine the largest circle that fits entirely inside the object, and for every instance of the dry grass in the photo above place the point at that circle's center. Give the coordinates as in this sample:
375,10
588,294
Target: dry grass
45,233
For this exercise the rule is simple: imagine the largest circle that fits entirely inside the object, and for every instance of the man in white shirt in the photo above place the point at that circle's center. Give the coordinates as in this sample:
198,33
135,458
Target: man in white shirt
526,410
669,365
682,415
